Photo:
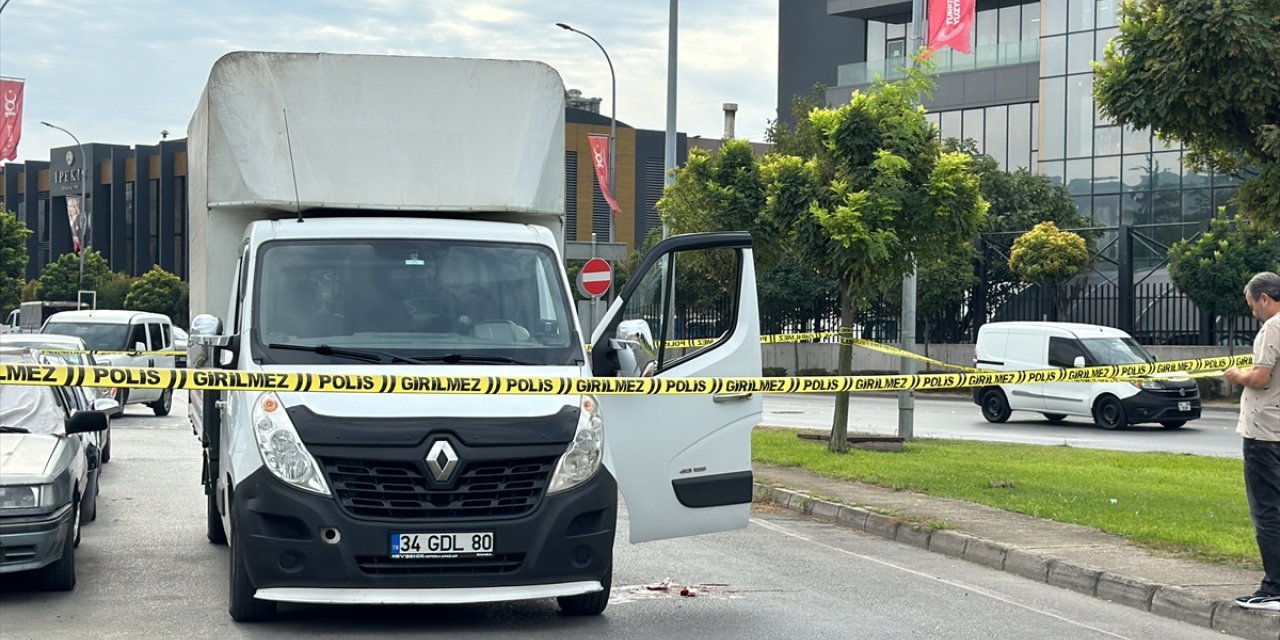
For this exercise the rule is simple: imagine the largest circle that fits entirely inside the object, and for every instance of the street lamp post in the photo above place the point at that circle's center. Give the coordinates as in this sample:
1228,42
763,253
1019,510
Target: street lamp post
84,231
613,120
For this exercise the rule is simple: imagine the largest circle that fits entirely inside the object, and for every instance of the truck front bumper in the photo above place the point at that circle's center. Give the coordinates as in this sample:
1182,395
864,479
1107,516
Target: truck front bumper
564,546
32,542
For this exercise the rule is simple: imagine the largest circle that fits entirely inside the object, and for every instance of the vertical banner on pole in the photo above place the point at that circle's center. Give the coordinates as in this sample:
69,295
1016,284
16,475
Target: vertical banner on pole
949,24
600,151
10,117
75,216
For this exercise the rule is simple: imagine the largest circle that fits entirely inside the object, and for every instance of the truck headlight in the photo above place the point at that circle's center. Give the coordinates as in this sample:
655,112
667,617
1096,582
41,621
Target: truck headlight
282,450
585,453
26,496
1153,385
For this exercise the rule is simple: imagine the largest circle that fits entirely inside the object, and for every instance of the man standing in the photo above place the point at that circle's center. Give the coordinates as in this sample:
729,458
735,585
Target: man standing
1260,426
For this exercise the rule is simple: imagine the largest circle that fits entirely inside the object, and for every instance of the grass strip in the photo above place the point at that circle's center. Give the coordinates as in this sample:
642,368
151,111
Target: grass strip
1185,505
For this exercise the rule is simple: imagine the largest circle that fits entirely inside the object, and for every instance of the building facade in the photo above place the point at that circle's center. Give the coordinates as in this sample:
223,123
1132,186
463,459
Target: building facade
1024,96
137,203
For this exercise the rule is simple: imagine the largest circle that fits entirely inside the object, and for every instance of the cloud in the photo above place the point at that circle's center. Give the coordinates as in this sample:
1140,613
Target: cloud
120,72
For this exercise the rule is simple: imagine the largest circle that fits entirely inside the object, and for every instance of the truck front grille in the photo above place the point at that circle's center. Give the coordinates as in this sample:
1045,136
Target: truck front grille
384,566
398,489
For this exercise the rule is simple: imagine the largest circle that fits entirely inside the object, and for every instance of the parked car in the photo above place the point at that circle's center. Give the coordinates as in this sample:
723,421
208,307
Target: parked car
47,487
55,341
180,344
1170,401
133,331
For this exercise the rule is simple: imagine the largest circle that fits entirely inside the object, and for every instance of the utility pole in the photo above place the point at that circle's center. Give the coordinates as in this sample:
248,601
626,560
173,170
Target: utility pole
907,329
669,162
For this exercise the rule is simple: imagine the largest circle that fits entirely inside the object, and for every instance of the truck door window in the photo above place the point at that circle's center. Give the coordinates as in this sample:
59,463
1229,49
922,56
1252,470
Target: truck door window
689,301
1063,352
137,335
156,334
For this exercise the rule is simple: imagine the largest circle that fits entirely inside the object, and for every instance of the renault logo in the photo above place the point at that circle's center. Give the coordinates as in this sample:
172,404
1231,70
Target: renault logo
442,460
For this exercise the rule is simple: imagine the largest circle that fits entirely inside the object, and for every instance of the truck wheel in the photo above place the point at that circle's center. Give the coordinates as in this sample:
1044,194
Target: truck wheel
588,604
61,575
1109,413
995,407
1055,417
243,607
161,407
106,449
89,505
213,522
1173,424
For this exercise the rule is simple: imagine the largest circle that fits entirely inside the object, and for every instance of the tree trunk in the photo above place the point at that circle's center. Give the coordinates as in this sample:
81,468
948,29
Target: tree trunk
840,424
926,341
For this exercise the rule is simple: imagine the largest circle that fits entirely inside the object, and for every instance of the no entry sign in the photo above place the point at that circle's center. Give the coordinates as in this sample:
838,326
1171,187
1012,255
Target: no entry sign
595,278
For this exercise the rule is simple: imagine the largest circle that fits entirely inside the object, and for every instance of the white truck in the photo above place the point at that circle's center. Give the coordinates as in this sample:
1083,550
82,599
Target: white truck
385,214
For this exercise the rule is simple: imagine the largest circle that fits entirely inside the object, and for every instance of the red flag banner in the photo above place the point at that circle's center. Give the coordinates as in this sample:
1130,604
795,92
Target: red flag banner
949,24
599,152
10,117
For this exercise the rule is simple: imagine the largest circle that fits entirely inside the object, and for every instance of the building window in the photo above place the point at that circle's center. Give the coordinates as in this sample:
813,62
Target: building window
180,226
654,181
129,232
571,195
153,221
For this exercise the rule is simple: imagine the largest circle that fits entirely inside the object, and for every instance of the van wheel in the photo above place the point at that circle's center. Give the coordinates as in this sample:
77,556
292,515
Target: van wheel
243,607
61,575
213,522
1108,413
106,449
588,604
1173,424
1055,417
995,407
162,406
89,505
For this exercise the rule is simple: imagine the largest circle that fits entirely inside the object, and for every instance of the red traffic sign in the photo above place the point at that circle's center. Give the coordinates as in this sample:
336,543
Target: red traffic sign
595,278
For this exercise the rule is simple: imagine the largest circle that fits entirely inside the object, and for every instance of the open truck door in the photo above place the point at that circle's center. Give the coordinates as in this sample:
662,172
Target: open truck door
683,462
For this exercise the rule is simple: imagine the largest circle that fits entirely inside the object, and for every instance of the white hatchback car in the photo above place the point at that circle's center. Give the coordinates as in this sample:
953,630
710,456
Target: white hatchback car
132,331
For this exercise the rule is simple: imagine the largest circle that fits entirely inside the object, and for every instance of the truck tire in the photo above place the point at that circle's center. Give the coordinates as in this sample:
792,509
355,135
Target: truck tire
61,575
242,606
161,407
588,604
995,407
1173,424
106,448
213,529
89,505
1109,413
1055,417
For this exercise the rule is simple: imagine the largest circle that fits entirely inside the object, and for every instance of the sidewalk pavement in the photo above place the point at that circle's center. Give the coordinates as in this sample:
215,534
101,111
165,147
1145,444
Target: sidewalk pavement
1063,555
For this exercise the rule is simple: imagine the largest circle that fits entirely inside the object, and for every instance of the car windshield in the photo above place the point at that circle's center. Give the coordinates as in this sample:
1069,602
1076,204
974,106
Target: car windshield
412,298
1113,351
97,336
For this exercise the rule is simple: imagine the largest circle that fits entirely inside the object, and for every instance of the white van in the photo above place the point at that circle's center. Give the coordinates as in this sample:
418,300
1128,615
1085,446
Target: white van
114,330
1020,346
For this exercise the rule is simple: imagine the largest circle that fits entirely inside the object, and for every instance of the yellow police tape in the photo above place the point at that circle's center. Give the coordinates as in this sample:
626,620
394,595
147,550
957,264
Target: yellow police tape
107,352
212,379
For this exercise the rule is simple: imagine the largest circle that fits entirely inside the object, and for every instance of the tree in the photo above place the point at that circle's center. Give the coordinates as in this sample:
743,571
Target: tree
1049,257
60,279
113,289
879,194
1213,268
943,283
159,291
13,260
1203,74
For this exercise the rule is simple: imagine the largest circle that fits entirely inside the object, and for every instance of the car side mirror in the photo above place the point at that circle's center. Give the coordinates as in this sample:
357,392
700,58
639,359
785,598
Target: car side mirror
637,355
86,421
1079,362
139,347
105,404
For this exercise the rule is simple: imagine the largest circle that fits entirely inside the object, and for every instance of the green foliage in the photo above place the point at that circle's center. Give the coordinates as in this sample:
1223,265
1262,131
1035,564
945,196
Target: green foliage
1213,268
13,259
29,290
942,284
1046,255
159,291
113,289
1049,257
1187,504
60,278
799,139
1203,74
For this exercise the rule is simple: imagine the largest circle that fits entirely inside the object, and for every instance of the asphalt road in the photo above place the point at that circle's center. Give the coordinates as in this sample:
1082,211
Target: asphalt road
958,418
146,571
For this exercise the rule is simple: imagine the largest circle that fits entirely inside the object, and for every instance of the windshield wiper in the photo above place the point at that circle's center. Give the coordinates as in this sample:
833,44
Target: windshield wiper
368,355
8,429
455,358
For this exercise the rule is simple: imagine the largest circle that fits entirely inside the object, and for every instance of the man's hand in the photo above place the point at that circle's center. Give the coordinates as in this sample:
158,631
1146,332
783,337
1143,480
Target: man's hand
1232,375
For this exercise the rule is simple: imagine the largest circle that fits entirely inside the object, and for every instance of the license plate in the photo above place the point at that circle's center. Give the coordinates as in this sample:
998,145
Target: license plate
441,545
1184,406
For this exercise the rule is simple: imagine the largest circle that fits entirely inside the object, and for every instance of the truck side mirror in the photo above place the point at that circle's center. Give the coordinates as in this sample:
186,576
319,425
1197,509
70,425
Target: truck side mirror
205,343
86,421
1079,362
637,355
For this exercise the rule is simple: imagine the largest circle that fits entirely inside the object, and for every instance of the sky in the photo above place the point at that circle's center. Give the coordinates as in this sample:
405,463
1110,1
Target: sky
122,71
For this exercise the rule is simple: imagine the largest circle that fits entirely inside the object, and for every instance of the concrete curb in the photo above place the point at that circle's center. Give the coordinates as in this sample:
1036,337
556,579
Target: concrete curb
1169,601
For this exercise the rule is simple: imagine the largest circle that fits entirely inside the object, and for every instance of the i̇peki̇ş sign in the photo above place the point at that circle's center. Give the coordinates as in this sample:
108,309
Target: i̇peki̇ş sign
66,172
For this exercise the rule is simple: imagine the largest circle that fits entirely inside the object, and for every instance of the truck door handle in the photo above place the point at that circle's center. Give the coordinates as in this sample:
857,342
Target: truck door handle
151,362
729,397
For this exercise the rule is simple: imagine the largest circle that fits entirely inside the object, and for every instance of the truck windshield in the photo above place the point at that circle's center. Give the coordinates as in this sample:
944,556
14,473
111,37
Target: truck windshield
1114,351
413,298
97,336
